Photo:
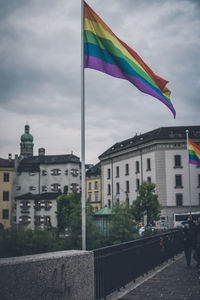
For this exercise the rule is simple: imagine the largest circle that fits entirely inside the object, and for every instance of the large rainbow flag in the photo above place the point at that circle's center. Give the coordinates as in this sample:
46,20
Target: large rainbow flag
105,52
194,153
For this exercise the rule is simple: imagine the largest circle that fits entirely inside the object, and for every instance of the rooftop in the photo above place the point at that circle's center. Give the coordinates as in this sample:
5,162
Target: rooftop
6,163
94,171
32,163
162,133
43,196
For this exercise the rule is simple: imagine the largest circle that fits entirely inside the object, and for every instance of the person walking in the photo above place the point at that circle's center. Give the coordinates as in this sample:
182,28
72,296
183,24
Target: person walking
197,242
187,243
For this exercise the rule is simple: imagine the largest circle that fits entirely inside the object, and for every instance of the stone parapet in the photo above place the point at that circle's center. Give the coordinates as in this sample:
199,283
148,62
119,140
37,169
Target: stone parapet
49,276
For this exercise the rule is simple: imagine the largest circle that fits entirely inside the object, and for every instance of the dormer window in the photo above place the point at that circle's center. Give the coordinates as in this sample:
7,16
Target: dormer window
55,172
44,172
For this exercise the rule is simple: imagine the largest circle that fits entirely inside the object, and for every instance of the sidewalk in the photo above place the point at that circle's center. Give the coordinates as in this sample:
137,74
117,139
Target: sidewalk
172,282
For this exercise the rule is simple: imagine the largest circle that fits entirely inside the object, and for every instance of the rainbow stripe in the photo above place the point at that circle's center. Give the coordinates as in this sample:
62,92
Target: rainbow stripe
105,52
194,153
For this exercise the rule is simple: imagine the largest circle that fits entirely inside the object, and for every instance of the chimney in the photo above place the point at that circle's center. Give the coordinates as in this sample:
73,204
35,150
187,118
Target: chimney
10,157
41,151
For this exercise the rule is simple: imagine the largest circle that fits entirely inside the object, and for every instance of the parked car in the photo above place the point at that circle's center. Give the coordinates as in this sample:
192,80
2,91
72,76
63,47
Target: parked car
146,228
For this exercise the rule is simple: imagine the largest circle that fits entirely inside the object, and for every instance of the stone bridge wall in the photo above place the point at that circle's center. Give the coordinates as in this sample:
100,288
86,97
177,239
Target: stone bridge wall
60,275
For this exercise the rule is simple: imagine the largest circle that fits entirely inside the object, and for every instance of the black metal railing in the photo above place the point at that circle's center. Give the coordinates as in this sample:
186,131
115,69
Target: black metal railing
117,265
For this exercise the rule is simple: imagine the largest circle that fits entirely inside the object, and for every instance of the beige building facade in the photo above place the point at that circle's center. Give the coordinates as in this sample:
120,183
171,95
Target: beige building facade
6,183
93,187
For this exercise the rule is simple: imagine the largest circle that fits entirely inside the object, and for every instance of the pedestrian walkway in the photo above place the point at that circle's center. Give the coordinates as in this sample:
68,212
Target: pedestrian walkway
171,281
175,281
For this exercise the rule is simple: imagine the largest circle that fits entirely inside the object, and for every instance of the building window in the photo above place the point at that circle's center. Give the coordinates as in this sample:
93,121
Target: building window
178,181
74,172
137,167
89,186
18,188
5,196
32,188
179,199
137,184
126,169
177,161
198,180
55,172
6,177
149,179
24,205
96,185
127,186
37,220
199,199
44,172
117,188
74,187
44,188
5,214
48,205
55,187
24,219
37,204
31,173
117,171
47,220
108,173
66,172
96,196
148,164
90,196
109,203
109,190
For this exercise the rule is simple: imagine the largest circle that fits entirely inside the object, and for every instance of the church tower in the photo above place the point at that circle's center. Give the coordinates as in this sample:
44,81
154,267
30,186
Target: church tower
26,145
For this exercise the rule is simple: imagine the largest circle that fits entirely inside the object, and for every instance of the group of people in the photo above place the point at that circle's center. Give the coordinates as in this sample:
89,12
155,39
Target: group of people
191,241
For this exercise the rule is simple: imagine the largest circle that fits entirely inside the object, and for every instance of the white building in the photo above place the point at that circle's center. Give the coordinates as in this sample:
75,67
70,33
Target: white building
38,180
159,156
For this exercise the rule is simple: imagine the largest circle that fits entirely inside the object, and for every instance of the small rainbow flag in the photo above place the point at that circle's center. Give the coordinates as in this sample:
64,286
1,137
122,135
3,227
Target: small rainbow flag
105,52
194,153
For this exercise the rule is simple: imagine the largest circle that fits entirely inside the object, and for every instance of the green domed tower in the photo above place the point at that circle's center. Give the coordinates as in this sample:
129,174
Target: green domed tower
26,145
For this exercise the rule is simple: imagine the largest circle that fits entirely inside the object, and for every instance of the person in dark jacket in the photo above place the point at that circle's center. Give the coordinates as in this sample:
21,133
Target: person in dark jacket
192,228
197,242
187,243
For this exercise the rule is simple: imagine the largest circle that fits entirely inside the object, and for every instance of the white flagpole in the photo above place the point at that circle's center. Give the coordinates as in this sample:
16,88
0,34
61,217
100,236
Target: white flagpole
83,130
187,132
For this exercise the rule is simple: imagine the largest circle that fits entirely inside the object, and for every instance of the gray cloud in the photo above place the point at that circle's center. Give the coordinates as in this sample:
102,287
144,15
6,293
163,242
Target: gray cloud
40,72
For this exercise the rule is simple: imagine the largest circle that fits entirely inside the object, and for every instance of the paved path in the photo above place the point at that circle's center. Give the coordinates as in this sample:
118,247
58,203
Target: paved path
174,282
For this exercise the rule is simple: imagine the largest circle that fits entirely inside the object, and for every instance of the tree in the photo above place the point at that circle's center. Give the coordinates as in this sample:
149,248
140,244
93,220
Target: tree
65,206
146,203
121,225
69,216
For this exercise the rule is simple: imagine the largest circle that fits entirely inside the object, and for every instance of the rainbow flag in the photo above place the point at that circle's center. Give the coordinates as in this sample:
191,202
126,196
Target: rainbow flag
105,52
194,153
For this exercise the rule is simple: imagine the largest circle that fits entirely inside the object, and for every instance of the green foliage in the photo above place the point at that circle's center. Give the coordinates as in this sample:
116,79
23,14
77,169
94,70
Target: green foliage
69,216
121,226
146,203
23,241
65,205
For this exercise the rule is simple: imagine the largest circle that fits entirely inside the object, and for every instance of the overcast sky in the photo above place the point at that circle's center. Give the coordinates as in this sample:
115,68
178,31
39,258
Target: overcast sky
40,73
